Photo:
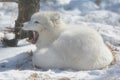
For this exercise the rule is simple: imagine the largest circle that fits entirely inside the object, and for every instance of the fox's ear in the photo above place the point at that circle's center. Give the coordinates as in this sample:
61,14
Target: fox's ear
55,17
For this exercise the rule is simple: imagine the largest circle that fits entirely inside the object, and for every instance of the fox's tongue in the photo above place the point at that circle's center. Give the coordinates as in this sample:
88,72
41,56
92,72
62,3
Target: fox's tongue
35,37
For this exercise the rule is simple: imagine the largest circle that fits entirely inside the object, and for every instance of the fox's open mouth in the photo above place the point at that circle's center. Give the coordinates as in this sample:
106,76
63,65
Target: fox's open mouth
34,37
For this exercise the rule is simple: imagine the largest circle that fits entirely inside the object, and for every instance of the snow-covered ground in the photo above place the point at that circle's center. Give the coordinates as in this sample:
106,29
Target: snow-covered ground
103,15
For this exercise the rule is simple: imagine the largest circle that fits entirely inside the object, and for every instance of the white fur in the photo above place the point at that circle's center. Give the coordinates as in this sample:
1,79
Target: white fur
66,46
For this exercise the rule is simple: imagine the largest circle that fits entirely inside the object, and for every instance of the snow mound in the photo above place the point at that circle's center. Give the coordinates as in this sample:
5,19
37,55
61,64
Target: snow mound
103,17
82,5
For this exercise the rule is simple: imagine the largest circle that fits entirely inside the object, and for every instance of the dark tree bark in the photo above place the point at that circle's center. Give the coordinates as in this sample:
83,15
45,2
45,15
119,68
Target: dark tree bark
98,2
26,8
8,0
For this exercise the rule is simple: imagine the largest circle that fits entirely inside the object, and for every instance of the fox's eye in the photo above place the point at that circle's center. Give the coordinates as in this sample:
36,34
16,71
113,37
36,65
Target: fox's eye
36,22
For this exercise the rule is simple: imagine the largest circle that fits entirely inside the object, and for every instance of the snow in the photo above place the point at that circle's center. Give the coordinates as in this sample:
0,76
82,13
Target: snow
104,16
9,36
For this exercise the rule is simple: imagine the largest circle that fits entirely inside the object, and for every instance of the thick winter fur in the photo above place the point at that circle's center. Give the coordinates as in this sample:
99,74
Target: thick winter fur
67,46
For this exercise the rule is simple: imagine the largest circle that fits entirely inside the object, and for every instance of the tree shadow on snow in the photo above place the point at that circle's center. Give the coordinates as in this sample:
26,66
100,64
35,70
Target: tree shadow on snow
19,62
22,61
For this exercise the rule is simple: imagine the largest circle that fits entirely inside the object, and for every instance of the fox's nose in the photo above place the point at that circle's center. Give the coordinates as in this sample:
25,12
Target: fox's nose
25,25
22,25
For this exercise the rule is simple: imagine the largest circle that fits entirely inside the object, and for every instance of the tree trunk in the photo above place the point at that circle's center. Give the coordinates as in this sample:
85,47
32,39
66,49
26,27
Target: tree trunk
26,8
98,2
